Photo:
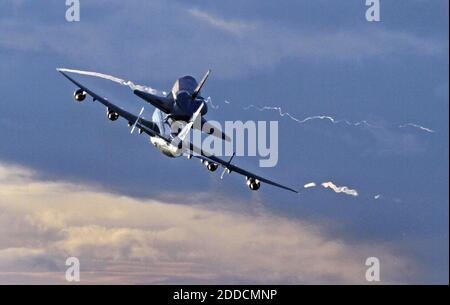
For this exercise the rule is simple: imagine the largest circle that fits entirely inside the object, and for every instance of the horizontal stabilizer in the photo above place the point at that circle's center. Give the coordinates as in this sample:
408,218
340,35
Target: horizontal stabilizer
163,103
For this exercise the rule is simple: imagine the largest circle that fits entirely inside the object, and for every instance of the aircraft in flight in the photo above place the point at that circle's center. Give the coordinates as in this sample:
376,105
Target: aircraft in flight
183,103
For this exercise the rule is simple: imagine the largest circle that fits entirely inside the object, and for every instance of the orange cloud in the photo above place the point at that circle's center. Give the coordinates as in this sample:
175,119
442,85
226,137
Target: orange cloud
124,240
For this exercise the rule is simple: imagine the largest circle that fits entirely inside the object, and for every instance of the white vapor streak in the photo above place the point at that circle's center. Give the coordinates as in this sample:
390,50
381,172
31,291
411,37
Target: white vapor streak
309,185
417,126
311,118
210,102
114,79
340,189
345,190
324,117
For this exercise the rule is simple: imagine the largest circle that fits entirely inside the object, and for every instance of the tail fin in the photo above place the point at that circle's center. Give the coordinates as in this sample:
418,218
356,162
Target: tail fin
200,85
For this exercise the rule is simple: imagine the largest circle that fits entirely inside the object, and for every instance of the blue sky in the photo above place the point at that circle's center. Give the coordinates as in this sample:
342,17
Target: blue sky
307,57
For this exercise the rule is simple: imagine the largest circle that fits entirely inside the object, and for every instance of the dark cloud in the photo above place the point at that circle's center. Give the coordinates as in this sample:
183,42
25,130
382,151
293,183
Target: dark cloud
299,56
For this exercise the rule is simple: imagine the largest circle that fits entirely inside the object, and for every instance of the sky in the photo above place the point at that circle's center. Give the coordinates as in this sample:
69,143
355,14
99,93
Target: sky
363,105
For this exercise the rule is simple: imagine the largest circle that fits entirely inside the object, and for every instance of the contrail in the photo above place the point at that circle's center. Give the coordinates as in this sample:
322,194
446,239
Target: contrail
114,79
210,102
309,185
305,120
417,126
336,189
311,118
325,117
348,191
340,189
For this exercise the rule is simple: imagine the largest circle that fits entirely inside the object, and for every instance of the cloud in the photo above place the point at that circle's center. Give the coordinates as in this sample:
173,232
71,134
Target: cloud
124,240
391,142
231,47
344,44
232,26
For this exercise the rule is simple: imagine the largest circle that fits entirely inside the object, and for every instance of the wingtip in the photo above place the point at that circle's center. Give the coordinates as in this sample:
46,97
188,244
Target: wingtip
62,72
292,190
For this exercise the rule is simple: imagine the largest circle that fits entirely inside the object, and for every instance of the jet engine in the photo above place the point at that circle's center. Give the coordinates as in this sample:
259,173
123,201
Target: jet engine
79,95
212,167
112,115
253,184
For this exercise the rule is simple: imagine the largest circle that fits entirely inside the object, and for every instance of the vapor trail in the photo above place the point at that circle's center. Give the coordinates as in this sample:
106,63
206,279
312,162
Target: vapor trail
417,126
340,189
311,118
324,117
114,79
351,192
309,185
210,102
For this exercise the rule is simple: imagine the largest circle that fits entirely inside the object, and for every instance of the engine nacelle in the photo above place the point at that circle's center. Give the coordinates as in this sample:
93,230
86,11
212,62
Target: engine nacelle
79,95
212,167
112,115
253,184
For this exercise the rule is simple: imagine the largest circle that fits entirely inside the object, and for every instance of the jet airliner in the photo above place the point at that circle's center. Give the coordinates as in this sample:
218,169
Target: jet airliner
183,103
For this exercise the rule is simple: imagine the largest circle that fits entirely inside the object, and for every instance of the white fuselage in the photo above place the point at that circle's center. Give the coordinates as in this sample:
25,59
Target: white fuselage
165,129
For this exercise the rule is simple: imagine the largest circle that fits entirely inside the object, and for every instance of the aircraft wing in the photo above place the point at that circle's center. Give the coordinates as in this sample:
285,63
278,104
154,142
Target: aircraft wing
146,126
152,130
234,168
